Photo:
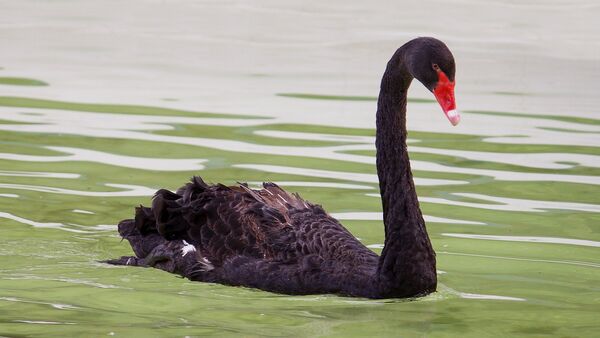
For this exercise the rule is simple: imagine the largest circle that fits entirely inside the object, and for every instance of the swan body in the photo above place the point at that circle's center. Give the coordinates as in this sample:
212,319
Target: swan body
276,241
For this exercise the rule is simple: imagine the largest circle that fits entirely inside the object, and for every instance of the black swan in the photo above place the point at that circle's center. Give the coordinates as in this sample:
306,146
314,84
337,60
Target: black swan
276,241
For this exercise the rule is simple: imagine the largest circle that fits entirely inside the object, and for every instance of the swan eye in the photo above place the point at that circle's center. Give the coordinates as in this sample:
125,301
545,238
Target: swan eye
436,67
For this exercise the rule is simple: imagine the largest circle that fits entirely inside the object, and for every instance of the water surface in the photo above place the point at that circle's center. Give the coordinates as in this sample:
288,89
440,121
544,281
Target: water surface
100,108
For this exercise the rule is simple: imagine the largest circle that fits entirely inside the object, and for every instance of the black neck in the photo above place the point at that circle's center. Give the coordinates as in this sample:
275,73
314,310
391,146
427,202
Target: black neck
407,263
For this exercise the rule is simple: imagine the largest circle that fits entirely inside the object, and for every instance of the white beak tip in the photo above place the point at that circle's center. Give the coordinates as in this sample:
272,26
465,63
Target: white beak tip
454,116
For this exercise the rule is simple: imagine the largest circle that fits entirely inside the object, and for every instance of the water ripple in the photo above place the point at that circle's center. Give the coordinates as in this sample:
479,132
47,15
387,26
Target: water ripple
506,175
508,204
37,174
54,225
316,184
80,211
341,175
58,306
66,280
134,131
294,135
78,154
512,204
71,227
44,322
378,216
129,190
528,239
488,297
30,222
532,260
532,160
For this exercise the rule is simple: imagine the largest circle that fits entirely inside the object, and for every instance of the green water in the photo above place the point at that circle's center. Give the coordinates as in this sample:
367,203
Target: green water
511,196
58,215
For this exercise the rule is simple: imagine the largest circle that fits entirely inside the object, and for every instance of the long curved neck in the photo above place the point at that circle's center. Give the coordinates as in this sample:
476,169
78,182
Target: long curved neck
407,263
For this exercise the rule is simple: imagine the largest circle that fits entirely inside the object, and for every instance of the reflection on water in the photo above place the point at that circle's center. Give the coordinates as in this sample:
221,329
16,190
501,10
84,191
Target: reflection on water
348,176
77,154
37,174
29,222
258,185
508,204
378,216
82,211
528,239
510,196
128,190
490,297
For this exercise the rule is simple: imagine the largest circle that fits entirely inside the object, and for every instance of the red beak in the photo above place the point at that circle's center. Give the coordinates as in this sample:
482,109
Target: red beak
444,93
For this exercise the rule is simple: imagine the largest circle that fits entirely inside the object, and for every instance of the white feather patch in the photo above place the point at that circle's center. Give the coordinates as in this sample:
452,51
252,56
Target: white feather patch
187,248
205,264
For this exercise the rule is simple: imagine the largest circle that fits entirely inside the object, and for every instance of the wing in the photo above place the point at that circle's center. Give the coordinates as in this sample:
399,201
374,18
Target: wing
264,238
224,222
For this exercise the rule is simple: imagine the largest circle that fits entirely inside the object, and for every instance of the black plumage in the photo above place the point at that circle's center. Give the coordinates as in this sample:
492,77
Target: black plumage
276,241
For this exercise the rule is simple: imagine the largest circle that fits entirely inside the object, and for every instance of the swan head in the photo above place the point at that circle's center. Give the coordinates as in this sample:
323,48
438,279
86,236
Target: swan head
430,61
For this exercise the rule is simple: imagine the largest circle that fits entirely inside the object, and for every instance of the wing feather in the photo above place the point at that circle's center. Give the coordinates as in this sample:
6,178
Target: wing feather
224,222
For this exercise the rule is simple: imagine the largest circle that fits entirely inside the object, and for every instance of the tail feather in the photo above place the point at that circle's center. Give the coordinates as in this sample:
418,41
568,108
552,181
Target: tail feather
192,189
145,222
168,213
278,195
